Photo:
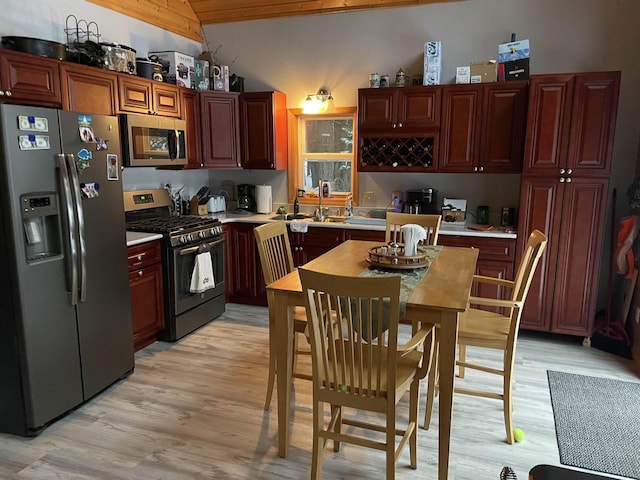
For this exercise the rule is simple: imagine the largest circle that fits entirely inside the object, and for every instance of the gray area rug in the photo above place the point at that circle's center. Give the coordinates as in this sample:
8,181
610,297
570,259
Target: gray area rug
597,423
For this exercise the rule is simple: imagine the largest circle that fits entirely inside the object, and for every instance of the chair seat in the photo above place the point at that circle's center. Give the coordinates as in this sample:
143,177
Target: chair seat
478,327
299,319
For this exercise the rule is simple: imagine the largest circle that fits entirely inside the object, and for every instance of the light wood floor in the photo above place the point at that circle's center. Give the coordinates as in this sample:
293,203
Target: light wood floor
193,410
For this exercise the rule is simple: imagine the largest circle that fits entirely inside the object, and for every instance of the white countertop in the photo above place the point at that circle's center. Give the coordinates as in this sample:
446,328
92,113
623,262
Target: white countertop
445,229
136,238
378,224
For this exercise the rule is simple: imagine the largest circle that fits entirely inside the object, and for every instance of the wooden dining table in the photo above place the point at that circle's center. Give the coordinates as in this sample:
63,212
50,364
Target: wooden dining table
438,300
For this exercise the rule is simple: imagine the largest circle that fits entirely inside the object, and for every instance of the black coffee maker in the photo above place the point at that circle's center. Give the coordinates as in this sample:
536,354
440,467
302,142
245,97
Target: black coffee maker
246,197
423,200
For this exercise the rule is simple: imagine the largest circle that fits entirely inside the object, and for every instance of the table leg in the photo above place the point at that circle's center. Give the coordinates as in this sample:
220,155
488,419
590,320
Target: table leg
448,333
284,343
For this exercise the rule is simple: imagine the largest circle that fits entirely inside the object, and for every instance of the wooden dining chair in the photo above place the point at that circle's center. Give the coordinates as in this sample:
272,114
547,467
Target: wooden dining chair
431,224
277,261
486,329
349,371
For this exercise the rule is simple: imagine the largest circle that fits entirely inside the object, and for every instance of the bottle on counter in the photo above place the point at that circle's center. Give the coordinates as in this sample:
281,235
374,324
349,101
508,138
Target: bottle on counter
296,206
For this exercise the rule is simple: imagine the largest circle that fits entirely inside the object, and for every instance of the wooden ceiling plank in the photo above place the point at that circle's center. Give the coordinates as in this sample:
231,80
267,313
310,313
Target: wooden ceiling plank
221,11
175,16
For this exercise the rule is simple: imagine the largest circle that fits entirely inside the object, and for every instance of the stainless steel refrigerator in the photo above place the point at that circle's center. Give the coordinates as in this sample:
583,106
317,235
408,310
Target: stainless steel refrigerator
65,321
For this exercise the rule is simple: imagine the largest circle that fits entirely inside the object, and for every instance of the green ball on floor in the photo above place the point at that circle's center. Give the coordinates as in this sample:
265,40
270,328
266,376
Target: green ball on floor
518,435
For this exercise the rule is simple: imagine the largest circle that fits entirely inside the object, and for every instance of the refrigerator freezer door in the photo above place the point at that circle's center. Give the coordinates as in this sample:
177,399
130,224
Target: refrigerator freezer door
104,318
39,336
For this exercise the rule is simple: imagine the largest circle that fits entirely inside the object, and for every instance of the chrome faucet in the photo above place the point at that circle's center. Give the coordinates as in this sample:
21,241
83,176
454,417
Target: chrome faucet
319,214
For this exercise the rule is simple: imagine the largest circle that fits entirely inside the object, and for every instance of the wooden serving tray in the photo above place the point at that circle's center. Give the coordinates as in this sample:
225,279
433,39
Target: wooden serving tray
381,257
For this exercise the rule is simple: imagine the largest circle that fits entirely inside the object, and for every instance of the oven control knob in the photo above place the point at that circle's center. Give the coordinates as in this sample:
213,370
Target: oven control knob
202,234
183,239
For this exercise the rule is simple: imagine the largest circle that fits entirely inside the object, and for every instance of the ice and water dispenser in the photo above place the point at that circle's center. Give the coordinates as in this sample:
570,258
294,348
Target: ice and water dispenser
41,225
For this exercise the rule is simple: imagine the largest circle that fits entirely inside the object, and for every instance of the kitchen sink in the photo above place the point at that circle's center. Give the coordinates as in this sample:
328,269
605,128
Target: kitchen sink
366,221
291,216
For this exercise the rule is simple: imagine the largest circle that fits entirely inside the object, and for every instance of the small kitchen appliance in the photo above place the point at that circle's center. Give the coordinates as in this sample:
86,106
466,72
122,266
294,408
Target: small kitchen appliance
423,200
183,239
153,140
508,217
246,197
119,58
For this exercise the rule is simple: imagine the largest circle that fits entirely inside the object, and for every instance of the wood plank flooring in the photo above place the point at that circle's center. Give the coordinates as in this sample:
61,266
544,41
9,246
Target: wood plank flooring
194,410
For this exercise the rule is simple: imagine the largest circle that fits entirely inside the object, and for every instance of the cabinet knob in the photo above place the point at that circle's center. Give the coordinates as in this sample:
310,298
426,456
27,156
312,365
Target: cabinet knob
400,125
568,180
561,179
139,258
481,169
394,125
475,169
562,171
140,273
8,93
1,93
569,171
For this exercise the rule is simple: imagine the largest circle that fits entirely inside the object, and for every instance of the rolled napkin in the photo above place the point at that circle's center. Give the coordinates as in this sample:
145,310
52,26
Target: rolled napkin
412,234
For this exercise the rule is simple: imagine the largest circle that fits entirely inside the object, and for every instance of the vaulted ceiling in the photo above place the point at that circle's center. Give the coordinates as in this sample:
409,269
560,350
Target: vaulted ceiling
186,17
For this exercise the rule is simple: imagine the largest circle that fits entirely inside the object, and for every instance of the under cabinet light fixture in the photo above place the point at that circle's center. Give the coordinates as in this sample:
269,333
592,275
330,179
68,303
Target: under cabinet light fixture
320,102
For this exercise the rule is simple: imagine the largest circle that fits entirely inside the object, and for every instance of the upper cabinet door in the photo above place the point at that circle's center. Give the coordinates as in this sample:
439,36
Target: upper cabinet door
89,89
418,109
548,122
29,79
263,117
220,114
460,127
503,127
191,114
593,122
376,110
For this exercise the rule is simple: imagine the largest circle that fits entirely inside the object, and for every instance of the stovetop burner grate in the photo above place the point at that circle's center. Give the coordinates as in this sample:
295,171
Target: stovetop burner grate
168,224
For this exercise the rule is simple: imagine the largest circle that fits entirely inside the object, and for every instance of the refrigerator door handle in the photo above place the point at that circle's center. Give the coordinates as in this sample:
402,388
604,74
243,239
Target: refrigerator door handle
77,197
70,220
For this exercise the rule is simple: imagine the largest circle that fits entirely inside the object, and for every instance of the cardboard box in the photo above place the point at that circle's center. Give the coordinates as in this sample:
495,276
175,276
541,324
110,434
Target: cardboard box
510,51
463,74
202,75
484,72
432,63
220,77
177,68
515,70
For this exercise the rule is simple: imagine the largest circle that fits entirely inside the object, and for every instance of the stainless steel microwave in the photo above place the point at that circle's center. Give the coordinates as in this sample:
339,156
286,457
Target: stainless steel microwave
153,141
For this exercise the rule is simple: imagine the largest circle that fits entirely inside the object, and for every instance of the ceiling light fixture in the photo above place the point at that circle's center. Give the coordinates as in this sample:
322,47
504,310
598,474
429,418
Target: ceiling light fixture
320,102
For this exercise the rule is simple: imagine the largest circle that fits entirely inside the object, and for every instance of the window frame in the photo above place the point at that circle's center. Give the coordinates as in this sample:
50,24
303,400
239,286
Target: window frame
295,166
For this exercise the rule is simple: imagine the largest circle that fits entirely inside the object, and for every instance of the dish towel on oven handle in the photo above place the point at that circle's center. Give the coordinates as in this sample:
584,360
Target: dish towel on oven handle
202,275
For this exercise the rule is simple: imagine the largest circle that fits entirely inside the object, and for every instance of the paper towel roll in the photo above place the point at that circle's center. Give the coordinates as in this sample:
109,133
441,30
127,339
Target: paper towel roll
263,199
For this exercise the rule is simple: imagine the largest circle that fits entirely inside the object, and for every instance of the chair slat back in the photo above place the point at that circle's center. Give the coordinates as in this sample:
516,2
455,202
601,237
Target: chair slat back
274,250
342,311
431,224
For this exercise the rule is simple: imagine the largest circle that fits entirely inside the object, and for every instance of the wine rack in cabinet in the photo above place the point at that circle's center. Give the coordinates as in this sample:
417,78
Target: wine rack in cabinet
381,154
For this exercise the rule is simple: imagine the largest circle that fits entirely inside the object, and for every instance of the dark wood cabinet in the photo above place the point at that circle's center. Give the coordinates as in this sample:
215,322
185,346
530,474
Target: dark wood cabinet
191,114
263,121
496,258
145,283
398,110
367,235
483,127
563,294
313,243
29,79
89,89
220,123
571,123
141,95
564,194
247,282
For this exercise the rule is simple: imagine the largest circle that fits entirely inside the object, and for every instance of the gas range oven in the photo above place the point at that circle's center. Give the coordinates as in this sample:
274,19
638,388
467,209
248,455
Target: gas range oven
184,238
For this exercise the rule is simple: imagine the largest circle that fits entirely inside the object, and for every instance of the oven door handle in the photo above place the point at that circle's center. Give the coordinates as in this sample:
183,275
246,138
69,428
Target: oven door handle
190,250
